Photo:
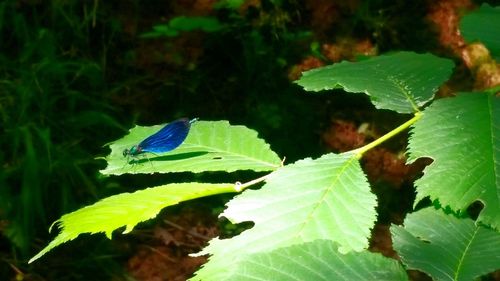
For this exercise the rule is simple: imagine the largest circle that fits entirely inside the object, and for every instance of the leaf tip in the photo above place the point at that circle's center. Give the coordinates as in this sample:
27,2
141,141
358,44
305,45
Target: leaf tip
109,234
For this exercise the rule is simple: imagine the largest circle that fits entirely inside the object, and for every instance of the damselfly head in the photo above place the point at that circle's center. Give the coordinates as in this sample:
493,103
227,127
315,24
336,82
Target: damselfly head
133,151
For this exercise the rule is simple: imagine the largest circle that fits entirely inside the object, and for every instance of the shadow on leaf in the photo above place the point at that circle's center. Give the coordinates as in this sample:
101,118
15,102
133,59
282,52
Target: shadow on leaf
174,157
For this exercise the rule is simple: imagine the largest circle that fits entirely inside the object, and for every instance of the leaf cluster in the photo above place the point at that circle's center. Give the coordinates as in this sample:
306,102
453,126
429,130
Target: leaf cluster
313,218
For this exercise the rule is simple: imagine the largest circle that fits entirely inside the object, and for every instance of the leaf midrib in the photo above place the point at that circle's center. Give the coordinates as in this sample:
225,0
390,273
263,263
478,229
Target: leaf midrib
462,257
399,84
211,149
325,193
492,139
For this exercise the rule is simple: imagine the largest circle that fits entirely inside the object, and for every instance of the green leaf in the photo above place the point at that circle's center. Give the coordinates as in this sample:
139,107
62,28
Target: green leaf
462,136
161,30
445,247
208,24
183,23
483,25
229,4
318,260
327,198
210,146
128,209
401,82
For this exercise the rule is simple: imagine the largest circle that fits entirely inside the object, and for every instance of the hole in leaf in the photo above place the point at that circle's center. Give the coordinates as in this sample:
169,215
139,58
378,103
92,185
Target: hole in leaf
229,229
474,209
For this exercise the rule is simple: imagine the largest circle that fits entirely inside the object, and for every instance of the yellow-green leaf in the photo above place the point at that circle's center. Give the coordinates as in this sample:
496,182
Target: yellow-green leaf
128,209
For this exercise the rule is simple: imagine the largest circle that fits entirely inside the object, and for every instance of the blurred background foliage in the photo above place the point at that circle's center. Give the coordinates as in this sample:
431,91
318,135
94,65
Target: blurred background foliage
75,75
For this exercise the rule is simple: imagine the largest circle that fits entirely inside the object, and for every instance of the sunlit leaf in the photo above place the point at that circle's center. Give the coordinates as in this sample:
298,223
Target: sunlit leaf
128,209
210,146
445,247
318,260
462,136
401,82
327,198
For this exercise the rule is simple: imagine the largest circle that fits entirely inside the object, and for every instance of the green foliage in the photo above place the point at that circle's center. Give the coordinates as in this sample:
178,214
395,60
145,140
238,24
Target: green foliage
229,4
482,25
310,200
402,82
210,146
182,24
461,135
324,207
128,209
445,247
318,260
47,103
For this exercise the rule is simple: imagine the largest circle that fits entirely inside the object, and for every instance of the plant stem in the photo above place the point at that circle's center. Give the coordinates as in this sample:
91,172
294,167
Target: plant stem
360,151
239,187
242,186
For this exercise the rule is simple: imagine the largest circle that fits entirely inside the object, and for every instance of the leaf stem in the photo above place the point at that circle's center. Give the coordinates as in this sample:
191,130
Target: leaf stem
360,151
238,186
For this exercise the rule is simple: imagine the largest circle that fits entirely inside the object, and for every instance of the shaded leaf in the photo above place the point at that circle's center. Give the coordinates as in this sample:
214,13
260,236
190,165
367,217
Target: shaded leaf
208,24
462,136
183,23
128,209
445,247
401,82
229,4
318,260
210,146
326,198
483,25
